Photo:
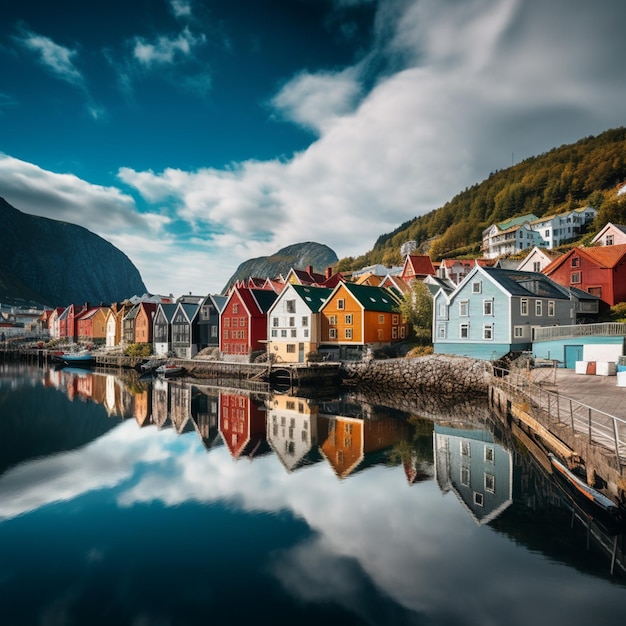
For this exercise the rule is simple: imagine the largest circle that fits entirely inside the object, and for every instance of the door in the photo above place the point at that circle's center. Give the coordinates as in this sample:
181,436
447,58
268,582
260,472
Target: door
573,354
300,353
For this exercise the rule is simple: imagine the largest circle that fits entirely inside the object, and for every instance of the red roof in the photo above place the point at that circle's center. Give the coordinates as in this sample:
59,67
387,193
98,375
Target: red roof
602,256
420,264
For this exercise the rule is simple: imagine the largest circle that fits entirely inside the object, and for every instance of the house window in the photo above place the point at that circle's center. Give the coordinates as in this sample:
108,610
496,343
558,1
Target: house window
381,319
575,278
341,304
478,499
294,332
441,332
235,308
292,321
488,307
610,240
523,306
477,287
395,319
465,476
275,322
332,320
518,331
306,332
443,312
551,308
490,483
394,332
381,334
214,330
290,306
490,455
348,333
291,348
283,332
305,321
332,333
463,308
575,261
465,448
227,322
538,308
402,332
235,322
225,334
464,331
536,266
349,318
595,291
274,332
488,332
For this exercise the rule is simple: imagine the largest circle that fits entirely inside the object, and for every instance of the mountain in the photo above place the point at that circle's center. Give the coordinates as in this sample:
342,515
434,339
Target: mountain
52,263
298,255
586,173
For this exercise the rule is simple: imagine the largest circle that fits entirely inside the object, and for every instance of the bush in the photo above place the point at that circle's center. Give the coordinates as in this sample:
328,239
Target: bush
420,351
138,349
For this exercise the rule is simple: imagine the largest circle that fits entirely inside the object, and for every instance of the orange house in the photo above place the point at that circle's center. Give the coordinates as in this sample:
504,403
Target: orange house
143,322
356,317
91,324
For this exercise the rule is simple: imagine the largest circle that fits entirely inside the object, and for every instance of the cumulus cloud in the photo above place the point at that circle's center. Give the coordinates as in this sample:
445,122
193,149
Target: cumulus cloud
180,8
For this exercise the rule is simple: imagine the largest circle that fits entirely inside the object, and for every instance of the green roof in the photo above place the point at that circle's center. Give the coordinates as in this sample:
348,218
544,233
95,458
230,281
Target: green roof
374,298
516,221
313,297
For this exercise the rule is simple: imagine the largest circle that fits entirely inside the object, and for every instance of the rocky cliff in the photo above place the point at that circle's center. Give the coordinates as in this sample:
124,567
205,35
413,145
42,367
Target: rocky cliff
47,262
298,256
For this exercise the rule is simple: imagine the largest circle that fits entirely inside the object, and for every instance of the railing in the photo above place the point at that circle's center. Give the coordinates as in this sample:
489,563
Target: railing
606,329
601,428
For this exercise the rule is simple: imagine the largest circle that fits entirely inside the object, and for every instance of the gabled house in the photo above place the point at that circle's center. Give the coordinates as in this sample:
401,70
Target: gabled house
243,322
600,270
495,311
144,322
91,324
209,321
417,267
114,322
396,284
185,330
356,318
162,329
242,425
294,322
305,277
128,325
67,320
563,227
53,322
610,235
537,259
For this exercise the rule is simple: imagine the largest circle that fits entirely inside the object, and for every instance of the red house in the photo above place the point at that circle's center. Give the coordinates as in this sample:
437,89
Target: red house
243,322
600,271
417,267
242,425
67,320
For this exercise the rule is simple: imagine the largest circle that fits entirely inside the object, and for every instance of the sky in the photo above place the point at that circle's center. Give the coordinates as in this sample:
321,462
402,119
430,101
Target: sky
196,134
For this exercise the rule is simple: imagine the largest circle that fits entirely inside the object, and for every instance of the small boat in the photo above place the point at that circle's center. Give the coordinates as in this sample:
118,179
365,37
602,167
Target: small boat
82,357
149,366
581,488
169,370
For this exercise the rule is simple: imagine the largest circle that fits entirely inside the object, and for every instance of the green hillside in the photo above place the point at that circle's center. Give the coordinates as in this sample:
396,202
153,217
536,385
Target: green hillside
586,173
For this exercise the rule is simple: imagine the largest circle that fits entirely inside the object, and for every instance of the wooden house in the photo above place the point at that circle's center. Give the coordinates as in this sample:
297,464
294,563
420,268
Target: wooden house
185,330
495,311
53,322
600,270
114,321
209,321
162,329
355,318
91,324
144,322
417,267
537,259
294,322
128,325
67,320
610,235
243,322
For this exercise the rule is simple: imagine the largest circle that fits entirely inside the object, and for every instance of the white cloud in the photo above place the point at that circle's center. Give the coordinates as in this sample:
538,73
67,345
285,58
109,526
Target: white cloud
56,58
181,8
164,51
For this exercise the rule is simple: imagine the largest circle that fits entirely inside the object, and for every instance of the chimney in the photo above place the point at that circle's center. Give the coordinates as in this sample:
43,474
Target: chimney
329,272
309,269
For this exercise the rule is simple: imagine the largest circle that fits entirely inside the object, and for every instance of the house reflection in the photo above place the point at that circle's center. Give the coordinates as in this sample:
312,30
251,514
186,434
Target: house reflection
205,415
477,469
242,424
293,430
161,403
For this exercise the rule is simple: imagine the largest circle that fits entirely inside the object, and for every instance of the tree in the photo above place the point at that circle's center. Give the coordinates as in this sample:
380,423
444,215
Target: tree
417,308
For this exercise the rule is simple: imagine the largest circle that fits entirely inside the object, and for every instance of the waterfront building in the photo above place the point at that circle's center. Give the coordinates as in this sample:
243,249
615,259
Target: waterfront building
185,334
162,330
209,321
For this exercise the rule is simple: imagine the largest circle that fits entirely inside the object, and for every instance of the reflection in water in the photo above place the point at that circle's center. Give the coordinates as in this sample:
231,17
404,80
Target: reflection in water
375,514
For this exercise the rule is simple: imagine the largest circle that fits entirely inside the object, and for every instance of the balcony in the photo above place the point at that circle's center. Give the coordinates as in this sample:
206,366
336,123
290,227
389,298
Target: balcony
606,329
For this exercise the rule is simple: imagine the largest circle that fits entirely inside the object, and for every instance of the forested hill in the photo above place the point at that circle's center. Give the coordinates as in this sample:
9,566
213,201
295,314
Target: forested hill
588,172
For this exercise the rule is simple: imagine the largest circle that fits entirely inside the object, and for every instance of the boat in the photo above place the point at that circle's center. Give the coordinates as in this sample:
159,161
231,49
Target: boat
149,366
581,488
82,357
168,371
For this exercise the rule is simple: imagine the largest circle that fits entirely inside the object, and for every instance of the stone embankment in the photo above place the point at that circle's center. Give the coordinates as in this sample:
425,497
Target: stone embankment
434,374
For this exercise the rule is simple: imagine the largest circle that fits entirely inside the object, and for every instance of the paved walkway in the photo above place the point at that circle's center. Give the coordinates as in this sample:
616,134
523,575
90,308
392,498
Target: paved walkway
599,392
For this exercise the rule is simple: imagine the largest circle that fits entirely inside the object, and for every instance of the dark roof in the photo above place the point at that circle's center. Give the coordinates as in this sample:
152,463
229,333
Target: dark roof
264,297
374,298
168,310
526,283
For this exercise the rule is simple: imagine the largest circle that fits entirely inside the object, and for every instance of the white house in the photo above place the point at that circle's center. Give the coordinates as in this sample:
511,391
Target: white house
536,260
558,229
610,235
294,322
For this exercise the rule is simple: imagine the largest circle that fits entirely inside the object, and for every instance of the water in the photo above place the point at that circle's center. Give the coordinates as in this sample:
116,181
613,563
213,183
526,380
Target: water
130,503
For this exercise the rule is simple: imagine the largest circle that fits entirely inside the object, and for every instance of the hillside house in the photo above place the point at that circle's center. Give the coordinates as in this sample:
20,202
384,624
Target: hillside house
494,312
558,229
610,235
510,236
417,267
600,271
294,322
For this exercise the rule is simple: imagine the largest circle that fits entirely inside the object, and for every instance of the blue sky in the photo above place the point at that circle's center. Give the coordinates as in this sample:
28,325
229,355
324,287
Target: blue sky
194,134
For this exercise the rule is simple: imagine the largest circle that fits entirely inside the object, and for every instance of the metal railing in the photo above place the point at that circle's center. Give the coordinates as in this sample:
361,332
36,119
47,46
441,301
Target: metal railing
552,407
606,329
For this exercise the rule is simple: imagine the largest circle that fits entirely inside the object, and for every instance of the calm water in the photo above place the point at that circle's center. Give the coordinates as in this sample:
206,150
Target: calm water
151,504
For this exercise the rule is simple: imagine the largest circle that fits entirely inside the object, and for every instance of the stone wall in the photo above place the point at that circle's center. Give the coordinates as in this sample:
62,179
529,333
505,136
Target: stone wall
435,374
